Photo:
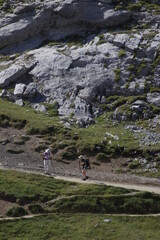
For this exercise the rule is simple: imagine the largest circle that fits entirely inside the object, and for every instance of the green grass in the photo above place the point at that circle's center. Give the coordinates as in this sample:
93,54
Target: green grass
91,140
79,212
81,226
20,117
29,187
117,74
24,188
141,203
121,53
101,39
125,4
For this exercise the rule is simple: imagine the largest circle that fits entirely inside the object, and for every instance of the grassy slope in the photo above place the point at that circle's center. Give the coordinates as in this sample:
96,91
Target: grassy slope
31,185
90,137
79,226
73,197
14,115
84,198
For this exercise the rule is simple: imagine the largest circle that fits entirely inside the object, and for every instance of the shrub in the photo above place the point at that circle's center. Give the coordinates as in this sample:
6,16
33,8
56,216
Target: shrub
133,165
69,153
16,212
101,157
36,209
40,148
53,113
15,151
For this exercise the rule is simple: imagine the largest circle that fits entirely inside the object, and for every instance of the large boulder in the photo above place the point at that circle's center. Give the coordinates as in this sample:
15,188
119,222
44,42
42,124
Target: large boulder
30,91
11,74
19,89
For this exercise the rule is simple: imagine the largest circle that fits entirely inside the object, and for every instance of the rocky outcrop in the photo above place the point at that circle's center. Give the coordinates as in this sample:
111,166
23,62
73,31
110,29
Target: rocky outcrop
56,20
89,65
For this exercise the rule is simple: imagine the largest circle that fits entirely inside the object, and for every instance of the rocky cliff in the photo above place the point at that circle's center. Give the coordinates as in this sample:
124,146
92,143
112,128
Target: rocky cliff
77,53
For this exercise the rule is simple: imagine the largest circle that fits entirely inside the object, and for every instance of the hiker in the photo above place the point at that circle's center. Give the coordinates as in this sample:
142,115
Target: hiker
83,166
47,161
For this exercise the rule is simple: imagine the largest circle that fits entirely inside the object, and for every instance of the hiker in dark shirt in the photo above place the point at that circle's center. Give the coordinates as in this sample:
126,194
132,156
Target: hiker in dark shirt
83,166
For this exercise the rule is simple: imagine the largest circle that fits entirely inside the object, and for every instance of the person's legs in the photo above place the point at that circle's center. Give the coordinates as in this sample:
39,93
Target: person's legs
84,174
45,166
48,166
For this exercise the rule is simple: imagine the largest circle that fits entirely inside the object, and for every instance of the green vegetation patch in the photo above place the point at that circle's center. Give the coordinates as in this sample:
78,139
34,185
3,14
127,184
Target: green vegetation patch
141,203
122,53
128,5
117,74
101,39
82,226
98,138
16,212
20,117
26,188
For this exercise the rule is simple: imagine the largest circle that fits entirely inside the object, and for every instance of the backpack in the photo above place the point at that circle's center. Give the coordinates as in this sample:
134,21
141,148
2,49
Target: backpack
87,164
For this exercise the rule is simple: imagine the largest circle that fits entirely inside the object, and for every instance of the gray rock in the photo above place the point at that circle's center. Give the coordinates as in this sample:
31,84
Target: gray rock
19,102
133,43
30,91
80,123
19,89
154,98
25,8
11,74
9,96
120,39
59,19
39,107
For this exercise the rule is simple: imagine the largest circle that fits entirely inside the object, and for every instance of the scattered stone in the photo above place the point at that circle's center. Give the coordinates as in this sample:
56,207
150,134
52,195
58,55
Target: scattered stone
39,107
21,164
107,220
19,102
96,225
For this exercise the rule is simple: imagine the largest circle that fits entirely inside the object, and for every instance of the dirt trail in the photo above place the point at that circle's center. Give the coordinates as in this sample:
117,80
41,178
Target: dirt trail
139,187
109,215
154,189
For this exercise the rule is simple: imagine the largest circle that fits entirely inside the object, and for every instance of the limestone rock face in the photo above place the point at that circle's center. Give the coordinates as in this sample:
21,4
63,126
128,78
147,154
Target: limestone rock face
57,19
77,52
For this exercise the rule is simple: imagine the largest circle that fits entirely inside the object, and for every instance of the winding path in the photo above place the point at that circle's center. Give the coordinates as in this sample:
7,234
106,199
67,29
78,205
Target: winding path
139,187
149,188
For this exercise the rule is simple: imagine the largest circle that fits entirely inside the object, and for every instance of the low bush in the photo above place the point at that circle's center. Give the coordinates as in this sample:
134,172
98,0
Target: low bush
101,157
134,165
16,212
15,151
36,209
40,148
138,203
69,153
